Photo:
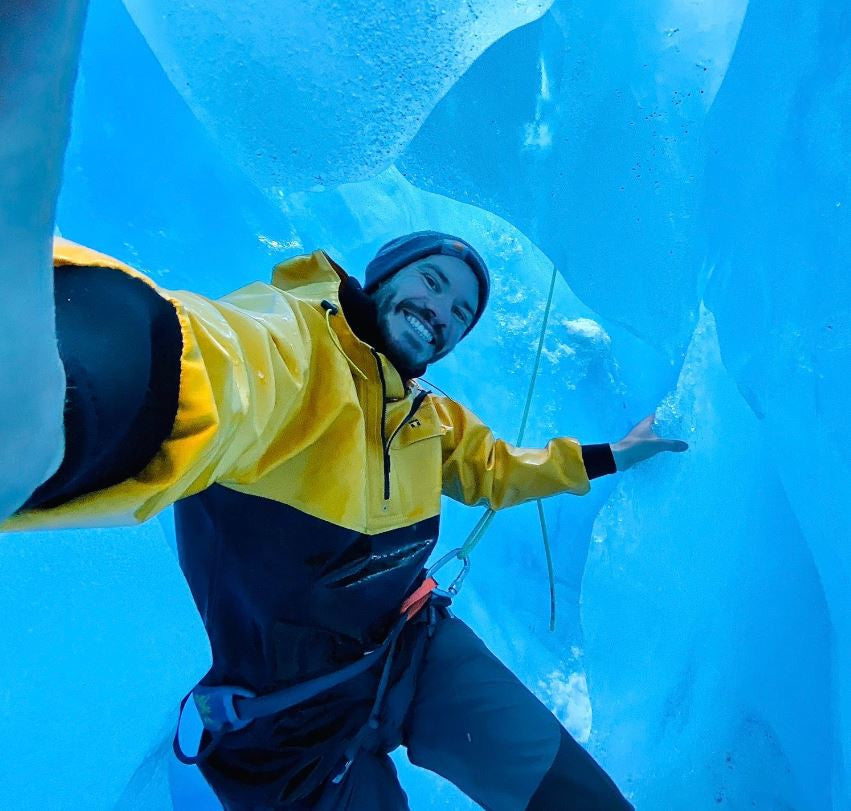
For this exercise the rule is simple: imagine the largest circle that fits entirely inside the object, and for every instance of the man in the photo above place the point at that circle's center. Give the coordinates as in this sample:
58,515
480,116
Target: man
307,466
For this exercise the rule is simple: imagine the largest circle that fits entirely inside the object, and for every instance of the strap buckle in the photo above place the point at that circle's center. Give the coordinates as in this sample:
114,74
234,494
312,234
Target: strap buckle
217,707
217,710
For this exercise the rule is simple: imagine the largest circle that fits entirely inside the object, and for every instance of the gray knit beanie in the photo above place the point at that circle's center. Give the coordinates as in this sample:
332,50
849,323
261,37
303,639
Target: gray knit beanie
403,250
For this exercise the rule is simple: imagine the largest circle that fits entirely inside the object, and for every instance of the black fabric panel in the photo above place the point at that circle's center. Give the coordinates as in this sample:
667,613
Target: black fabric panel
575,781
599,460
476,724
286,597
120,343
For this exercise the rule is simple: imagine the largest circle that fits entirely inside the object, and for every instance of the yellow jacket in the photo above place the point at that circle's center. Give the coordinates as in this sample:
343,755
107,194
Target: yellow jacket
278,398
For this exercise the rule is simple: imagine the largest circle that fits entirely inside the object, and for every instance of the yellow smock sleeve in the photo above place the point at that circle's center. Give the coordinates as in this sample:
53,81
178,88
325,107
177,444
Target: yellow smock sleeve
477,468
245,368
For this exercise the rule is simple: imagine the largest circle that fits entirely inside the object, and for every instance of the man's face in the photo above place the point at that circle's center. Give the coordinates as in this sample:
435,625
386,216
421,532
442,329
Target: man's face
425,308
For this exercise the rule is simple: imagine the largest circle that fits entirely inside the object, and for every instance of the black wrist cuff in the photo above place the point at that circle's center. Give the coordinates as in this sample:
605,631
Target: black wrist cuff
120,343
599,460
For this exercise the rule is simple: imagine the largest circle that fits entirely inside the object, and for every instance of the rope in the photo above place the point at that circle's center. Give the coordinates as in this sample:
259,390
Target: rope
538,354
429,383
550,572
484,522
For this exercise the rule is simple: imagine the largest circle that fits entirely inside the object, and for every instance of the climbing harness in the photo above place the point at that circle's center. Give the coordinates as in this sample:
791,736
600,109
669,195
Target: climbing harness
229,708
427,594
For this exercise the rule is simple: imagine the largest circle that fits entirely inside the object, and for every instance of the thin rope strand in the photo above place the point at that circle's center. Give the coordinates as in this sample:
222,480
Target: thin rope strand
537,366
478,531
550,571
429,383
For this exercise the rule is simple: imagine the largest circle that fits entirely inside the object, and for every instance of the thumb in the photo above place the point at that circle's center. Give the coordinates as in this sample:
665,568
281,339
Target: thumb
675,445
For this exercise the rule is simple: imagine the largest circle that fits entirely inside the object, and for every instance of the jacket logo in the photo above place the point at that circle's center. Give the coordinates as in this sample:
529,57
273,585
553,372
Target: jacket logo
415,423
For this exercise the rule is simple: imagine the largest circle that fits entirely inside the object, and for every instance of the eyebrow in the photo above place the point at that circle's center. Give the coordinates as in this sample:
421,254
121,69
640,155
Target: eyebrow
443,278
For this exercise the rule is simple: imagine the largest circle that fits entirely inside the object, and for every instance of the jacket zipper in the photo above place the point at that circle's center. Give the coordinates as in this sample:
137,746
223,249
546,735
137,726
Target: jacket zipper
384,445
384,441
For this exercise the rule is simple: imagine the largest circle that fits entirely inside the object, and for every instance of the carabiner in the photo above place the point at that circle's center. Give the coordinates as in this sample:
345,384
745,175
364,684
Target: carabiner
456,584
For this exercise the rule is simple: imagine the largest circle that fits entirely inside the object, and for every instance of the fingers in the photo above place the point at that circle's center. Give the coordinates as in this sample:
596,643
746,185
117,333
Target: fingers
674,445
644,428
644,431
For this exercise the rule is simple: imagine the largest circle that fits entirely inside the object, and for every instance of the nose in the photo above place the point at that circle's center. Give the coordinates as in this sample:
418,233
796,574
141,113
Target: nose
435,315
442,311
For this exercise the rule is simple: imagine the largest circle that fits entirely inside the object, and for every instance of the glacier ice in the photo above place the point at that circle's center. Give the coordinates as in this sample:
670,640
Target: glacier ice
306,93
598,125
685,165
707,605
780,240
34,123
103,635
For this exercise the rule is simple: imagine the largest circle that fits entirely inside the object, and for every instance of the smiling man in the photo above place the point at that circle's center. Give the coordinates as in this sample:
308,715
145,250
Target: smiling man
429,290
306,465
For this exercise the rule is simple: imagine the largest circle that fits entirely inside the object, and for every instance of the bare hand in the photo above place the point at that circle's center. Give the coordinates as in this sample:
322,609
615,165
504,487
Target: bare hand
641,443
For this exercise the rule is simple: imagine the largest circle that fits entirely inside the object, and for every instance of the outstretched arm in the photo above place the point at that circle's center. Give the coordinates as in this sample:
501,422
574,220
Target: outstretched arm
479,468
173,392
39,47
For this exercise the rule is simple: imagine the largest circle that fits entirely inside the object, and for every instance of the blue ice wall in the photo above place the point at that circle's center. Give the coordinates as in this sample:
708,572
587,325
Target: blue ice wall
685,165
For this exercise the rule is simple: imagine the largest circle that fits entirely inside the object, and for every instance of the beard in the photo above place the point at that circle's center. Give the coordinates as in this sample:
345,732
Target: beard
406,359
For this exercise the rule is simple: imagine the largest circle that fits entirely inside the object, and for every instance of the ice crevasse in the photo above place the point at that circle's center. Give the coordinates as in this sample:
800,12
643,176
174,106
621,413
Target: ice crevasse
686,166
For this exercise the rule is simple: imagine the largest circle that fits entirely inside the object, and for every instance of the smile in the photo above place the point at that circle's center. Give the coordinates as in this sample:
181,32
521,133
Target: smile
419,328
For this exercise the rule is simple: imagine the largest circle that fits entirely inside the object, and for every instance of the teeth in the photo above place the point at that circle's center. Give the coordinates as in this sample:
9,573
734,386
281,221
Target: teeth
419,327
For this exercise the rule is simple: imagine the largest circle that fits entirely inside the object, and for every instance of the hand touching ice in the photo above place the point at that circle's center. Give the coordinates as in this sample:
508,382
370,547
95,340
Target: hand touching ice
641,443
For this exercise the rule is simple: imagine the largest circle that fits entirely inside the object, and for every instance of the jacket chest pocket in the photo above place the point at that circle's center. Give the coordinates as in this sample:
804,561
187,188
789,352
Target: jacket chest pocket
423,425
417,456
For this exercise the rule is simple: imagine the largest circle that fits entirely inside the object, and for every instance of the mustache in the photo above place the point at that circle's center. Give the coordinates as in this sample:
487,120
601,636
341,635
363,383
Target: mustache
427,317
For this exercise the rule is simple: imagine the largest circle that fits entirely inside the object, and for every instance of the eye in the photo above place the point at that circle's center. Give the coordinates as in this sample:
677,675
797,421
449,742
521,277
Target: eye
462,316
430,281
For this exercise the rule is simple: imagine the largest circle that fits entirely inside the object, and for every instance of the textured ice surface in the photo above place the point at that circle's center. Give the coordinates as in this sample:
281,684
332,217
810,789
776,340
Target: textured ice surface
33,129
598,125
686,166
704,616
100,636
780,241
314,92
